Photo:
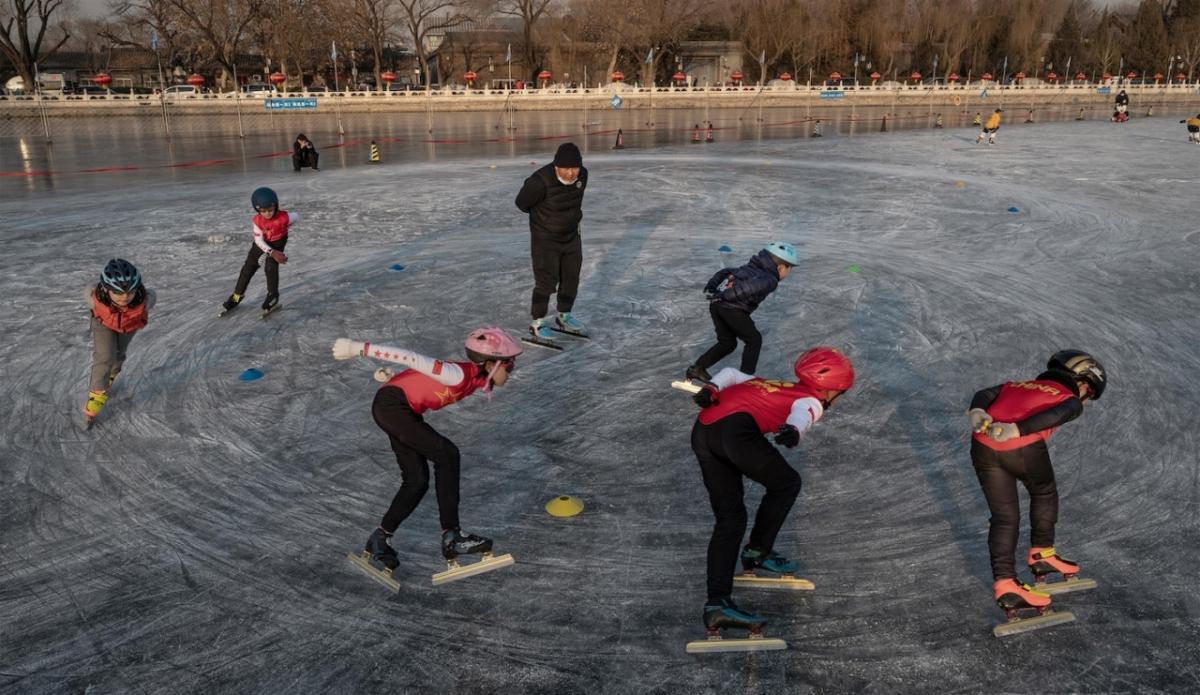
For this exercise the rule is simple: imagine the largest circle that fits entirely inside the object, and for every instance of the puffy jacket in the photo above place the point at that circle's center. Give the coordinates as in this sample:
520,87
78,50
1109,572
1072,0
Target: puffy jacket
744,288
993,121
555,210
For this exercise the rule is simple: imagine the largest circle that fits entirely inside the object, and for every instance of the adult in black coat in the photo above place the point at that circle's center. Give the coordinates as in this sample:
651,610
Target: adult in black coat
304,154
553,198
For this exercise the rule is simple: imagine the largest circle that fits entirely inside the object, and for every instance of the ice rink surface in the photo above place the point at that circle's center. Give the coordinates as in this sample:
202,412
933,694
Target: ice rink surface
195,540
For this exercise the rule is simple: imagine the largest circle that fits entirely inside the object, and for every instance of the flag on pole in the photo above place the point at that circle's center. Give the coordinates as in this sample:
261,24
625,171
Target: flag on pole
650,57
762,58
154,40
935,63
333,51
508,54
856,59
1068,70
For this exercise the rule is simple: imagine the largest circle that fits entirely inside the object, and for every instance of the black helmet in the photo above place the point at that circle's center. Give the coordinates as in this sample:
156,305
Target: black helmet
263,198
120,276
1083,367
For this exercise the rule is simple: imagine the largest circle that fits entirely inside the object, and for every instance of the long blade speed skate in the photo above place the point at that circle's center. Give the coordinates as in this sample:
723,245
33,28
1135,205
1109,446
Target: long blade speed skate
378,559
689,386
1017,625
770,570
1014,598
723,614
455,543
1066,586
786,582
1044,562
382,575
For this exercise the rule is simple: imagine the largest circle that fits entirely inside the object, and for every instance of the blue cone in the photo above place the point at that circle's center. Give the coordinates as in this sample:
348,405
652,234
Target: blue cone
396,267
1013,210
250,375
725,249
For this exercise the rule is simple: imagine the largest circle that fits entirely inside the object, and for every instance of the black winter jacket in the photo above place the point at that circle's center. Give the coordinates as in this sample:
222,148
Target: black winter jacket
744,288
554,210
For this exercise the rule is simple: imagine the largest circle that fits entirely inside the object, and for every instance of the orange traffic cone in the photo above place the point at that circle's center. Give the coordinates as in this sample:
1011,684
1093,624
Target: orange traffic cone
620,144
708,137
696,134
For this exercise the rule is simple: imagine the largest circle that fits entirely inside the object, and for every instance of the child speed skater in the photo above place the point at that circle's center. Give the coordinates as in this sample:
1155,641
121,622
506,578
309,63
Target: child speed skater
271,227
729,439
734,294
120,306
399,409
1011,424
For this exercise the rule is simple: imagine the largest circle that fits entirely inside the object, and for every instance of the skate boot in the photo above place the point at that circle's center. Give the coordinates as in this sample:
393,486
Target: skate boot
230,304
455,544
566,323
93,406
770,570
378,560
721,614
270,303
697,373
540,330
1012,597
1045,561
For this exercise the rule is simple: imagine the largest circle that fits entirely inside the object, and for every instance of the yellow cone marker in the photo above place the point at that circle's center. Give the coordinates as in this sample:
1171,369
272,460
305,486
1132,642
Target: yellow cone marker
960,184
564,506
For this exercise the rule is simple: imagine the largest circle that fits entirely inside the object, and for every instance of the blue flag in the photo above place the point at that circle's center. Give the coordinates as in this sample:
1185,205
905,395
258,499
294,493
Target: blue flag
154,40
508,54
650,57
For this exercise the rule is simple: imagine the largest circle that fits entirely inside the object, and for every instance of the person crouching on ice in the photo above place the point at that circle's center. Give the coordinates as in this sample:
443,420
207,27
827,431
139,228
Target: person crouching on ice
399,408
120,306
729,441
1011,423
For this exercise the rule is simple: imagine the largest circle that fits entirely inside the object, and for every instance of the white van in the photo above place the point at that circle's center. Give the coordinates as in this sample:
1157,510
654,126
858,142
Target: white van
181,91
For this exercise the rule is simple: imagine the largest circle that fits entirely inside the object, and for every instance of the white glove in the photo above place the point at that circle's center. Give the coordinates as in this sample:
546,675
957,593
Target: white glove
980,420
383,375
344,348
1003,431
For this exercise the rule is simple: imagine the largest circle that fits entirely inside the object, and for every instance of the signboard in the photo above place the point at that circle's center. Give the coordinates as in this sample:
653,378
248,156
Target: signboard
291,104
833,94
1104,90
616,101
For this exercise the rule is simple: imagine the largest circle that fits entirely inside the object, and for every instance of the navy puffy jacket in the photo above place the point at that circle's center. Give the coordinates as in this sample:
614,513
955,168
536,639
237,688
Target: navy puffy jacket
750,284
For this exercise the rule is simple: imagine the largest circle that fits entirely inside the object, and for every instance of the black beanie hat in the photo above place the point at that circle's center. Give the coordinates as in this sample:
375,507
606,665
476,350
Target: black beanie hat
568,156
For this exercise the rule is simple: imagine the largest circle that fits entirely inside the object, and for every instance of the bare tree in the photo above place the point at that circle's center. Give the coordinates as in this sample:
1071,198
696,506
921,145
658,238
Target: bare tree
420,18
530,12
29,32
376,20
223,24
767,29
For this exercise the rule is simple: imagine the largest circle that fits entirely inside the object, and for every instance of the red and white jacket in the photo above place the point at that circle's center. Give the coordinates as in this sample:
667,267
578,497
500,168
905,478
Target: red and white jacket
1017,401
429,384
269,231
771,403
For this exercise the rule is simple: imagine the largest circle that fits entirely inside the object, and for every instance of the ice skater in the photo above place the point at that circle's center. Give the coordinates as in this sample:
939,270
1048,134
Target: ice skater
271,227
120,306
990,128
1193,128
553,198
399,407
1011,424
729,441
734,294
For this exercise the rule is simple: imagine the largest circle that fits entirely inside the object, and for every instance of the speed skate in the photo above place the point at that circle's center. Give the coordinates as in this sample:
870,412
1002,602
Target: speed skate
487,562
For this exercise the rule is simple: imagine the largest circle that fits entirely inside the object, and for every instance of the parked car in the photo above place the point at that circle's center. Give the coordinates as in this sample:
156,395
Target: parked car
90,89
258,88
181,91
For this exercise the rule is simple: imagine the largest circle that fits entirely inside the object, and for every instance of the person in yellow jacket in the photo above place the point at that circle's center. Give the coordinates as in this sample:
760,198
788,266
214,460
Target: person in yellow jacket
1193,127
990,128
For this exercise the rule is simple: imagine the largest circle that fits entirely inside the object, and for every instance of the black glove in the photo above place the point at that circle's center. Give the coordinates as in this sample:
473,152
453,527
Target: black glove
706,396
787,436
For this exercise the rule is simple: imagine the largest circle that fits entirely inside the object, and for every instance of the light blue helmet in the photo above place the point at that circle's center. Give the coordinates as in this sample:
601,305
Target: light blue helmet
783,252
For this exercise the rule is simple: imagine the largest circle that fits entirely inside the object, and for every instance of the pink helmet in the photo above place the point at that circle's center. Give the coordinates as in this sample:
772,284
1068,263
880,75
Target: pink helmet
825,368
491,343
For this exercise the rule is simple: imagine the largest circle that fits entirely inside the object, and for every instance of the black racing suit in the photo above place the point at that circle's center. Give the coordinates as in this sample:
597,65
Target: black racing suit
555,211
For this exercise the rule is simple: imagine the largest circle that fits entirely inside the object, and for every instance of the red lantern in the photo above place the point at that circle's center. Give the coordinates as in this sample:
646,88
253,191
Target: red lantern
545,75
388,76
1106,76
277,78
618,76
1080,76
986,76
1180,77
1019,76
875,77
679,77
835,76
915,76
1051,76
785,76
470,76
1157,76
736,75
102,79
195,80
1131,75
952,77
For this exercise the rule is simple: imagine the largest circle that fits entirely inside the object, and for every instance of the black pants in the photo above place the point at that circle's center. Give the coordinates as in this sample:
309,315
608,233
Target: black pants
305,158
251,266
415,444
998,473
556,266
728,449
732,324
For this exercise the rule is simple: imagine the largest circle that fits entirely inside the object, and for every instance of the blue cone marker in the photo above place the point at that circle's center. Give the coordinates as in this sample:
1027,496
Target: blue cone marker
1013,210
725,249
396,267
251,374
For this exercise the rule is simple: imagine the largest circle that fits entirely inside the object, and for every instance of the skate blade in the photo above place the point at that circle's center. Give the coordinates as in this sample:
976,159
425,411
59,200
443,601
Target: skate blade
384,577
1019,625
272,310
749,644
548,344
573,334
688,386
463,571
752,581
1066,586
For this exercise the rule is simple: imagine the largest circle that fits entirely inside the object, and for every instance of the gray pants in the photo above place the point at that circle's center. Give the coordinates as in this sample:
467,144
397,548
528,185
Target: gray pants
108,354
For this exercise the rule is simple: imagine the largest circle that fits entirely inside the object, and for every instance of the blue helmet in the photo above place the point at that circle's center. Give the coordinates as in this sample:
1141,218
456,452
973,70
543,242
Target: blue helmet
264,198
120,276
783,252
